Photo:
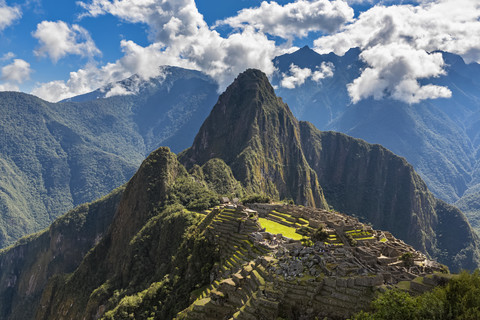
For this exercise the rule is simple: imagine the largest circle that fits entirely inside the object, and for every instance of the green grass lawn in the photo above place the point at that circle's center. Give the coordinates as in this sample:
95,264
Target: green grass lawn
275,228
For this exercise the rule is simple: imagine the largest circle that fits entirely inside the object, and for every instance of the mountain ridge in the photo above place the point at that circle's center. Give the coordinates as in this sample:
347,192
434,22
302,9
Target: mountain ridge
438,137
156,255
253,151
55,156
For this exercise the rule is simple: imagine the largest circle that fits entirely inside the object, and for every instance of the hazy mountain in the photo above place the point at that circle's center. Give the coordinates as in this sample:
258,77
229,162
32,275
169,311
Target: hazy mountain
438,137
54,156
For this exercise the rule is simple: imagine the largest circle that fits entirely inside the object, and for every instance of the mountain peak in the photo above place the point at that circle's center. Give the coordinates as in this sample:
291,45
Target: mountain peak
251,80
254,132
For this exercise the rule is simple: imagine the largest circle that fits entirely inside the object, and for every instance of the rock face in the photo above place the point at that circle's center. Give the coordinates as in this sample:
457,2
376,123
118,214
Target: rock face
382,188
439,137
255,133
26,268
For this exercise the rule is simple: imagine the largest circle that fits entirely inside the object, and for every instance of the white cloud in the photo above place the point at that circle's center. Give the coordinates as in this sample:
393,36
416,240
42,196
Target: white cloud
448,25
9,87
325,70
7,56
293,19
58,39
8,14
180,38
394,72
168,20
119,90
297,76
18,71
136,60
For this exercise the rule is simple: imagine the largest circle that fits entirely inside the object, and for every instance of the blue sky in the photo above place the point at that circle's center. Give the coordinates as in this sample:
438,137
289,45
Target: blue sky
57,49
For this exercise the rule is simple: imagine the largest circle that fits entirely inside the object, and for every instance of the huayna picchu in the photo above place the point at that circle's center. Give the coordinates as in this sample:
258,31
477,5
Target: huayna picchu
163,246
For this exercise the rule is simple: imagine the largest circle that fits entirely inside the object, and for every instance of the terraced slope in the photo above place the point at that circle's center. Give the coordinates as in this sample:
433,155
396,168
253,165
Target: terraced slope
265,276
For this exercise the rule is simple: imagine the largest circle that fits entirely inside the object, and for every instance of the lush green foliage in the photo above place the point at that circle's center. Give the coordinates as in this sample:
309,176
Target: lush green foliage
219,177
256,198
54,156
193,194
407,259
171,280
459,299
319,234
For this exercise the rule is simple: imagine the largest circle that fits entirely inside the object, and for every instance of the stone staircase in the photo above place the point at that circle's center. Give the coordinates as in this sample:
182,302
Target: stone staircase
237,297
230,230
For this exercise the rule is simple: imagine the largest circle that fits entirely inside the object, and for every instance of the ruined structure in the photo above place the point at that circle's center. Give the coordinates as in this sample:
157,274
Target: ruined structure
264,275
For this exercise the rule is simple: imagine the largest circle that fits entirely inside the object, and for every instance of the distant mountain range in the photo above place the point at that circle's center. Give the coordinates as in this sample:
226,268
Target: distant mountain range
54,156
440,137
145,250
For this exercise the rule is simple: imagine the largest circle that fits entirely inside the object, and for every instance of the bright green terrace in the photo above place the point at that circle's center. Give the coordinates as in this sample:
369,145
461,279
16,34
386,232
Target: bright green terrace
276,228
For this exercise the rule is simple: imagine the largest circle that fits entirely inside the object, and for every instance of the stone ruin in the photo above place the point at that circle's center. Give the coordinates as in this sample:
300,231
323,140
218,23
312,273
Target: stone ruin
264,275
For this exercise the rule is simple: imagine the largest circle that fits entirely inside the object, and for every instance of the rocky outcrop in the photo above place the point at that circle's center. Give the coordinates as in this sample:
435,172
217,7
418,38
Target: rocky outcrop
255,133
376,185
26,267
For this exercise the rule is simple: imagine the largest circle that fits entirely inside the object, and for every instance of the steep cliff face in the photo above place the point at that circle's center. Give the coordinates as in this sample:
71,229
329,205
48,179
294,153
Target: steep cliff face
157,250
382,188
255,133
26,267
150,245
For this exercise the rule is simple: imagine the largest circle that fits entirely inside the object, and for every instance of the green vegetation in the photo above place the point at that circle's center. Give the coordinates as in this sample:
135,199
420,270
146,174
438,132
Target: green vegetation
256,198
219,178
407,259
319,234
351,240
459,299
55,156
156,253
307,242
276,228
193,195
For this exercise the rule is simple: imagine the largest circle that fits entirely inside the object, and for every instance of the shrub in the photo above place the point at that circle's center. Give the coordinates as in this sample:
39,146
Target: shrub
319,234
352,242
407,259
256,198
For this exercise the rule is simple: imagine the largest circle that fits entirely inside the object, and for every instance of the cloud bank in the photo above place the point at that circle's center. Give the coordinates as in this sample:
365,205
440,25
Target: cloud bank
392,37
395,41
393,73
18,71
180,37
